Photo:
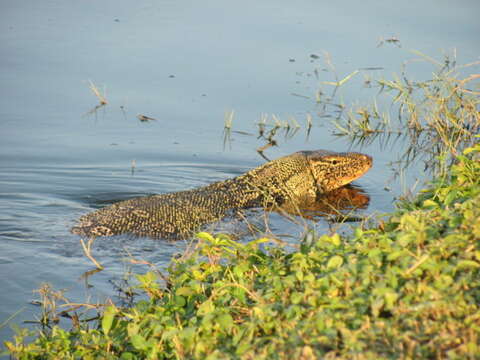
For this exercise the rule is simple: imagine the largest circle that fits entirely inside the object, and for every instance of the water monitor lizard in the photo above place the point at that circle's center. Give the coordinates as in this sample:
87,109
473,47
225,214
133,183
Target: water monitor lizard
301,175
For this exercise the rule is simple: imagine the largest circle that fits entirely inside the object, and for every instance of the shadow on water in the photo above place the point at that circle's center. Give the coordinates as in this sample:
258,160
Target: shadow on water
337,206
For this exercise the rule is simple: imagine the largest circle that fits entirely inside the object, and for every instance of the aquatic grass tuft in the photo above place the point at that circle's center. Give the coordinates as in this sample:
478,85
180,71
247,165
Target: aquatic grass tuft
101,97
431,119
435,119
227,127
269,128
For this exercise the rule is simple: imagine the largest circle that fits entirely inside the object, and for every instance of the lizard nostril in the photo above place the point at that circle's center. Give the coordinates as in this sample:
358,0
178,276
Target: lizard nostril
367,158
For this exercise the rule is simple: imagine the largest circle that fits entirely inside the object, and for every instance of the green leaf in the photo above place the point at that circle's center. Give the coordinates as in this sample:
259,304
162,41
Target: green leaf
468,264
335,262
358,232
139,342
443,282
107,320
225,321
335,239
396,254
390,298
429,203
299,275
408,220
206,236
180,301
185,291
240,269
127,356
404,239
451,196
296,297
468,150
206,307
188,336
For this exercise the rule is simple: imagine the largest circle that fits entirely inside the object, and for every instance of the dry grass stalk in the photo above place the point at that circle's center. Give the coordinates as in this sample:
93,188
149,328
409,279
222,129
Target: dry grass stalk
87,249
98,94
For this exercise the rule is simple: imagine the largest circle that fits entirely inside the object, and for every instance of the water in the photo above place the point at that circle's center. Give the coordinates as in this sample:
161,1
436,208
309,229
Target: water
184,64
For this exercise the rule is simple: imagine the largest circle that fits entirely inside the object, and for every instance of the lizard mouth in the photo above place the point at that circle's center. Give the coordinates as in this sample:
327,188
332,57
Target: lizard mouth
367,162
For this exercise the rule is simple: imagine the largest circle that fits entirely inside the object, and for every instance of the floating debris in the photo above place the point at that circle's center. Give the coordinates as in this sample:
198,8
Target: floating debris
372,68
392,40
242,133
300,95
144,118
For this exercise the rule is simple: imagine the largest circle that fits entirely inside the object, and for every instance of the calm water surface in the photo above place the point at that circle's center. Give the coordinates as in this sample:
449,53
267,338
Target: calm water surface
185,64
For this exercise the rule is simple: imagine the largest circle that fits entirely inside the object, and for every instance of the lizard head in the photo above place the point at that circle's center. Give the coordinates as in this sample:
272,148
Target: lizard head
332,170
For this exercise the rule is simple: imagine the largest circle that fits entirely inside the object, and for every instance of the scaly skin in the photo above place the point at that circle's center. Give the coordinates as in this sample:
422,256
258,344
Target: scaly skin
297,177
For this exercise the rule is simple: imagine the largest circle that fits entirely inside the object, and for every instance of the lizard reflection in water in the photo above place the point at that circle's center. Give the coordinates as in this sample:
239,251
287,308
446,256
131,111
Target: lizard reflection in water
299,178
337,205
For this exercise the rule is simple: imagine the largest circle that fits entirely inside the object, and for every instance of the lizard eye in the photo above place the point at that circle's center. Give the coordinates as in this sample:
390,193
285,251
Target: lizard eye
334,162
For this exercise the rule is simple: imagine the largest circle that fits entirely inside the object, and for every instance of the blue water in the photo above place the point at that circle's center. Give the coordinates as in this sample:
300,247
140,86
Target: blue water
184,64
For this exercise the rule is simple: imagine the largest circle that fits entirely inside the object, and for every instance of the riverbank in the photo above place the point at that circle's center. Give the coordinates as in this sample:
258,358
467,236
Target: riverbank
409,288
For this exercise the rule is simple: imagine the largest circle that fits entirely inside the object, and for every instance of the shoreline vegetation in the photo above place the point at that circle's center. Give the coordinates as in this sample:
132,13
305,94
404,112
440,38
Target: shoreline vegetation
407,286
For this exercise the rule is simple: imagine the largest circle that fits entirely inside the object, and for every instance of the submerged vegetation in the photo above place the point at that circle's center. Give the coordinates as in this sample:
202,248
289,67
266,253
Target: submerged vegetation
409,288
405,287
